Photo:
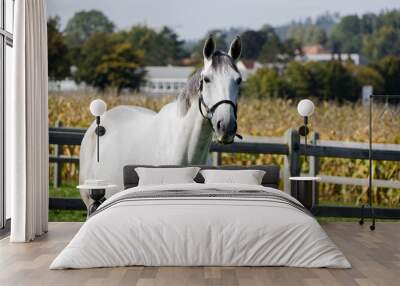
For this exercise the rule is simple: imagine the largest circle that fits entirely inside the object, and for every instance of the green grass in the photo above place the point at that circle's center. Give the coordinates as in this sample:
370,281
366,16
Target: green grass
349,204
64,215
67,190
351,219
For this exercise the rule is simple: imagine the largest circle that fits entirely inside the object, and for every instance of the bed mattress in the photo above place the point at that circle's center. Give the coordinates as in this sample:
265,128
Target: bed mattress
201,225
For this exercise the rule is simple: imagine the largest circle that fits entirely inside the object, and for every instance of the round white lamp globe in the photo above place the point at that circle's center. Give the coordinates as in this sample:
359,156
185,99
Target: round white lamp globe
305,107
98,107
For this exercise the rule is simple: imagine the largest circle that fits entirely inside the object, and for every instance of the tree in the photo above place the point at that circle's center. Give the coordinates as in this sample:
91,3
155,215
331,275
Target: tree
325,81
372,35
390,19
299,80
83,25
367,76
340,83
369,23
327,20
317,35
264,83
252,41
92,52
351,34
383,42
333,80
346,35
270,51
292,48
110,61
272,46
59,62
389,69
317,84
173,46
161,48
121,69
309,35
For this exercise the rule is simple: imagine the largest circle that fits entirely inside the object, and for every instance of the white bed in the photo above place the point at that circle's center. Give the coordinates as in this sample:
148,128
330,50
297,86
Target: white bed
168,226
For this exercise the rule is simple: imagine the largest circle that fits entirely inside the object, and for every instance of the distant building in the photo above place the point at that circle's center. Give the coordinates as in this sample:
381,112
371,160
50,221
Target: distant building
355,58
317,53
66,85
315,50
166,79
248,67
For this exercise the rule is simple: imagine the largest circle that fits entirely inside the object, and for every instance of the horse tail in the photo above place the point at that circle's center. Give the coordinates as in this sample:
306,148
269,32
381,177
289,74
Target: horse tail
87,153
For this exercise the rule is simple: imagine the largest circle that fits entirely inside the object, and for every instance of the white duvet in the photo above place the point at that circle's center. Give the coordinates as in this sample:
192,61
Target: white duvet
190,231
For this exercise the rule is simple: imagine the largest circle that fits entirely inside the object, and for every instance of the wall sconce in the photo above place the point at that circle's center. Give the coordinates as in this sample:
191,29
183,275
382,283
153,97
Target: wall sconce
305,108
97,108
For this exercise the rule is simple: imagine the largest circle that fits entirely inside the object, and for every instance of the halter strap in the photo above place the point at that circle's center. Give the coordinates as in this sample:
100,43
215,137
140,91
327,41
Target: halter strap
210,111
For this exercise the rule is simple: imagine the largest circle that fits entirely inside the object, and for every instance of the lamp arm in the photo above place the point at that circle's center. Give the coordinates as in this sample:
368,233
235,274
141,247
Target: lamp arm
98,138
305,136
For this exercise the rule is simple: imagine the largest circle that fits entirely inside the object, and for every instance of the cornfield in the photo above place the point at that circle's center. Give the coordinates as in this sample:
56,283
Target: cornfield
270,117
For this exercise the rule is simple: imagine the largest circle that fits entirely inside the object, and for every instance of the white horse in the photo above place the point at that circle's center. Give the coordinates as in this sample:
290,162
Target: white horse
179,134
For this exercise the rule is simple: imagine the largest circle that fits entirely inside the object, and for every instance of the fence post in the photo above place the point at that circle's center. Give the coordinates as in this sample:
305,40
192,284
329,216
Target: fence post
216,158
57,174
292,163
314,168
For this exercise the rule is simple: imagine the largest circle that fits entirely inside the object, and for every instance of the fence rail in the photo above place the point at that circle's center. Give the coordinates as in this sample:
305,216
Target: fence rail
290,146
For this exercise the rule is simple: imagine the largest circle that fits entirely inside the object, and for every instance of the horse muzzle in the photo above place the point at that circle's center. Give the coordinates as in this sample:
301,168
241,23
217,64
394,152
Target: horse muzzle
226,131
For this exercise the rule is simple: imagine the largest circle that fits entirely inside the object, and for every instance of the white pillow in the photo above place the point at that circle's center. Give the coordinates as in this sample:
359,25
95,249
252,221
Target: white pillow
166,176
248,177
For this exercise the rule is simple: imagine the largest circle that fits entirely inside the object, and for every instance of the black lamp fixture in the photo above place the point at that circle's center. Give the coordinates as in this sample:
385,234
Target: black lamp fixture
97,108
305,108
303,187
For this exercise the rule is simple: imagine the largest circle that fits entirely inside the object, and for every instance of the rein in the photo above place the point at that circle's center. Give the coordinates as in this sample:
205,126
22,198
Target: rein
211,110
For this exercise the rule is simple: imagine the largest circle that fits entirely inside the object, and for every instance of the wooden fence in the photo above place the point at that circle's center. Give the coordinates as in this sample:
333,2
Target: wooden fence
290,146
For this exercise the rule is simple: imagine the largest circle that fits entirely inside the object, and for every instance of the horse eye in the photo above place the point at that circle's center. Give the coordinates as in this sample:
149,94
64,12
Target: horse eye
239,81
207,79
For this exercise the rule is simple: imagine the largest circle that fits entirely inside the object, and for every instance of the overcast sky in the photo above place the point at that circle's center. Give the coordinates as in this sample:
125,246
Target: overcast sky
192,19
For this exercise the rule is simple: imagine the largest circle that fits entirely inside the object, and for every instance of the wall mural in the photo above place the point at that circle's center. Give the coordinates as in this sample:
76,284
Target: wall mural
180,134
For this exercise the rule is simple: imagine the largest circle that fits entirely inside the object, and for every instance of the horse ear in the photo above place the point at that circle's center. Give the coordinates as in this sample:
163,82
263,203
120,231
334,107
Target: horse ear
209,47
236,48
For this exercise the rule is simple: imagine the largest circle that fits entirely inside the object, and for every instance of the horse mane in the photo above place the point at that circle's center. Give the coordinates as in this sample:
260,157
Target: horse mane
190,92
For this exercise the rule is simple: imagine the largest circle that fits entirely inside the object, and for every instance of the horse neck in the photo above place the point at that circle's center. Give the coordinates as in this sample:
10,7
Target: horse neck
193,137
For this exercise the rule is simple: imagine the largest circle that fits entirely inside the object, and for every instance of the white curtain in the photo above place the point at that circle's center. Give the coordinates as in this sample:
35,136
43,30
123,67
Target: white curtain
27,123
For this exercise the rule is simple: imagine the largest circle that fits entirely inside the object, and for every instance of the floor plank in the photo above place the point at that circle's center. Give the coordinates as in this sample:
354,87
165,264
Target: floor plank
375,257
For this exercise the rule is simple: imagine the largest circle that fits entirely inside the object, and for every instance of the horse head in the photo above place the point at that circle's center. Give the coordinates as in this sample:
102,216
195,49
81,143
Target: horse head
219,89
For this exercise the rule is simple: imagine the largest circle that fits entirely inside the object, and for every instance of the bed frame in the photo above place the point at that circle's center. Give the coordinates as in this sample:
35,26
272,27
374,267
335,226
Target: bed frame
270,179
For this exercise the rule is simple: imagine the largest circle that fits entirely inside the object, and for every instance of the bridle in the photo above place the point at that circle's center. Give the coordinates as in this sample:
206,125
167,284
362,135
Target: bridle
211,110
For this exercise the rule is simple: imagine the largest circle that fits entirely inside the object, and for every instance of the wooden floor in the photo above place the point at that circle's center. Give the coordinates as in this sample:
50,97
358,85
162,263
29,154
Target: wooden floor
375,257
